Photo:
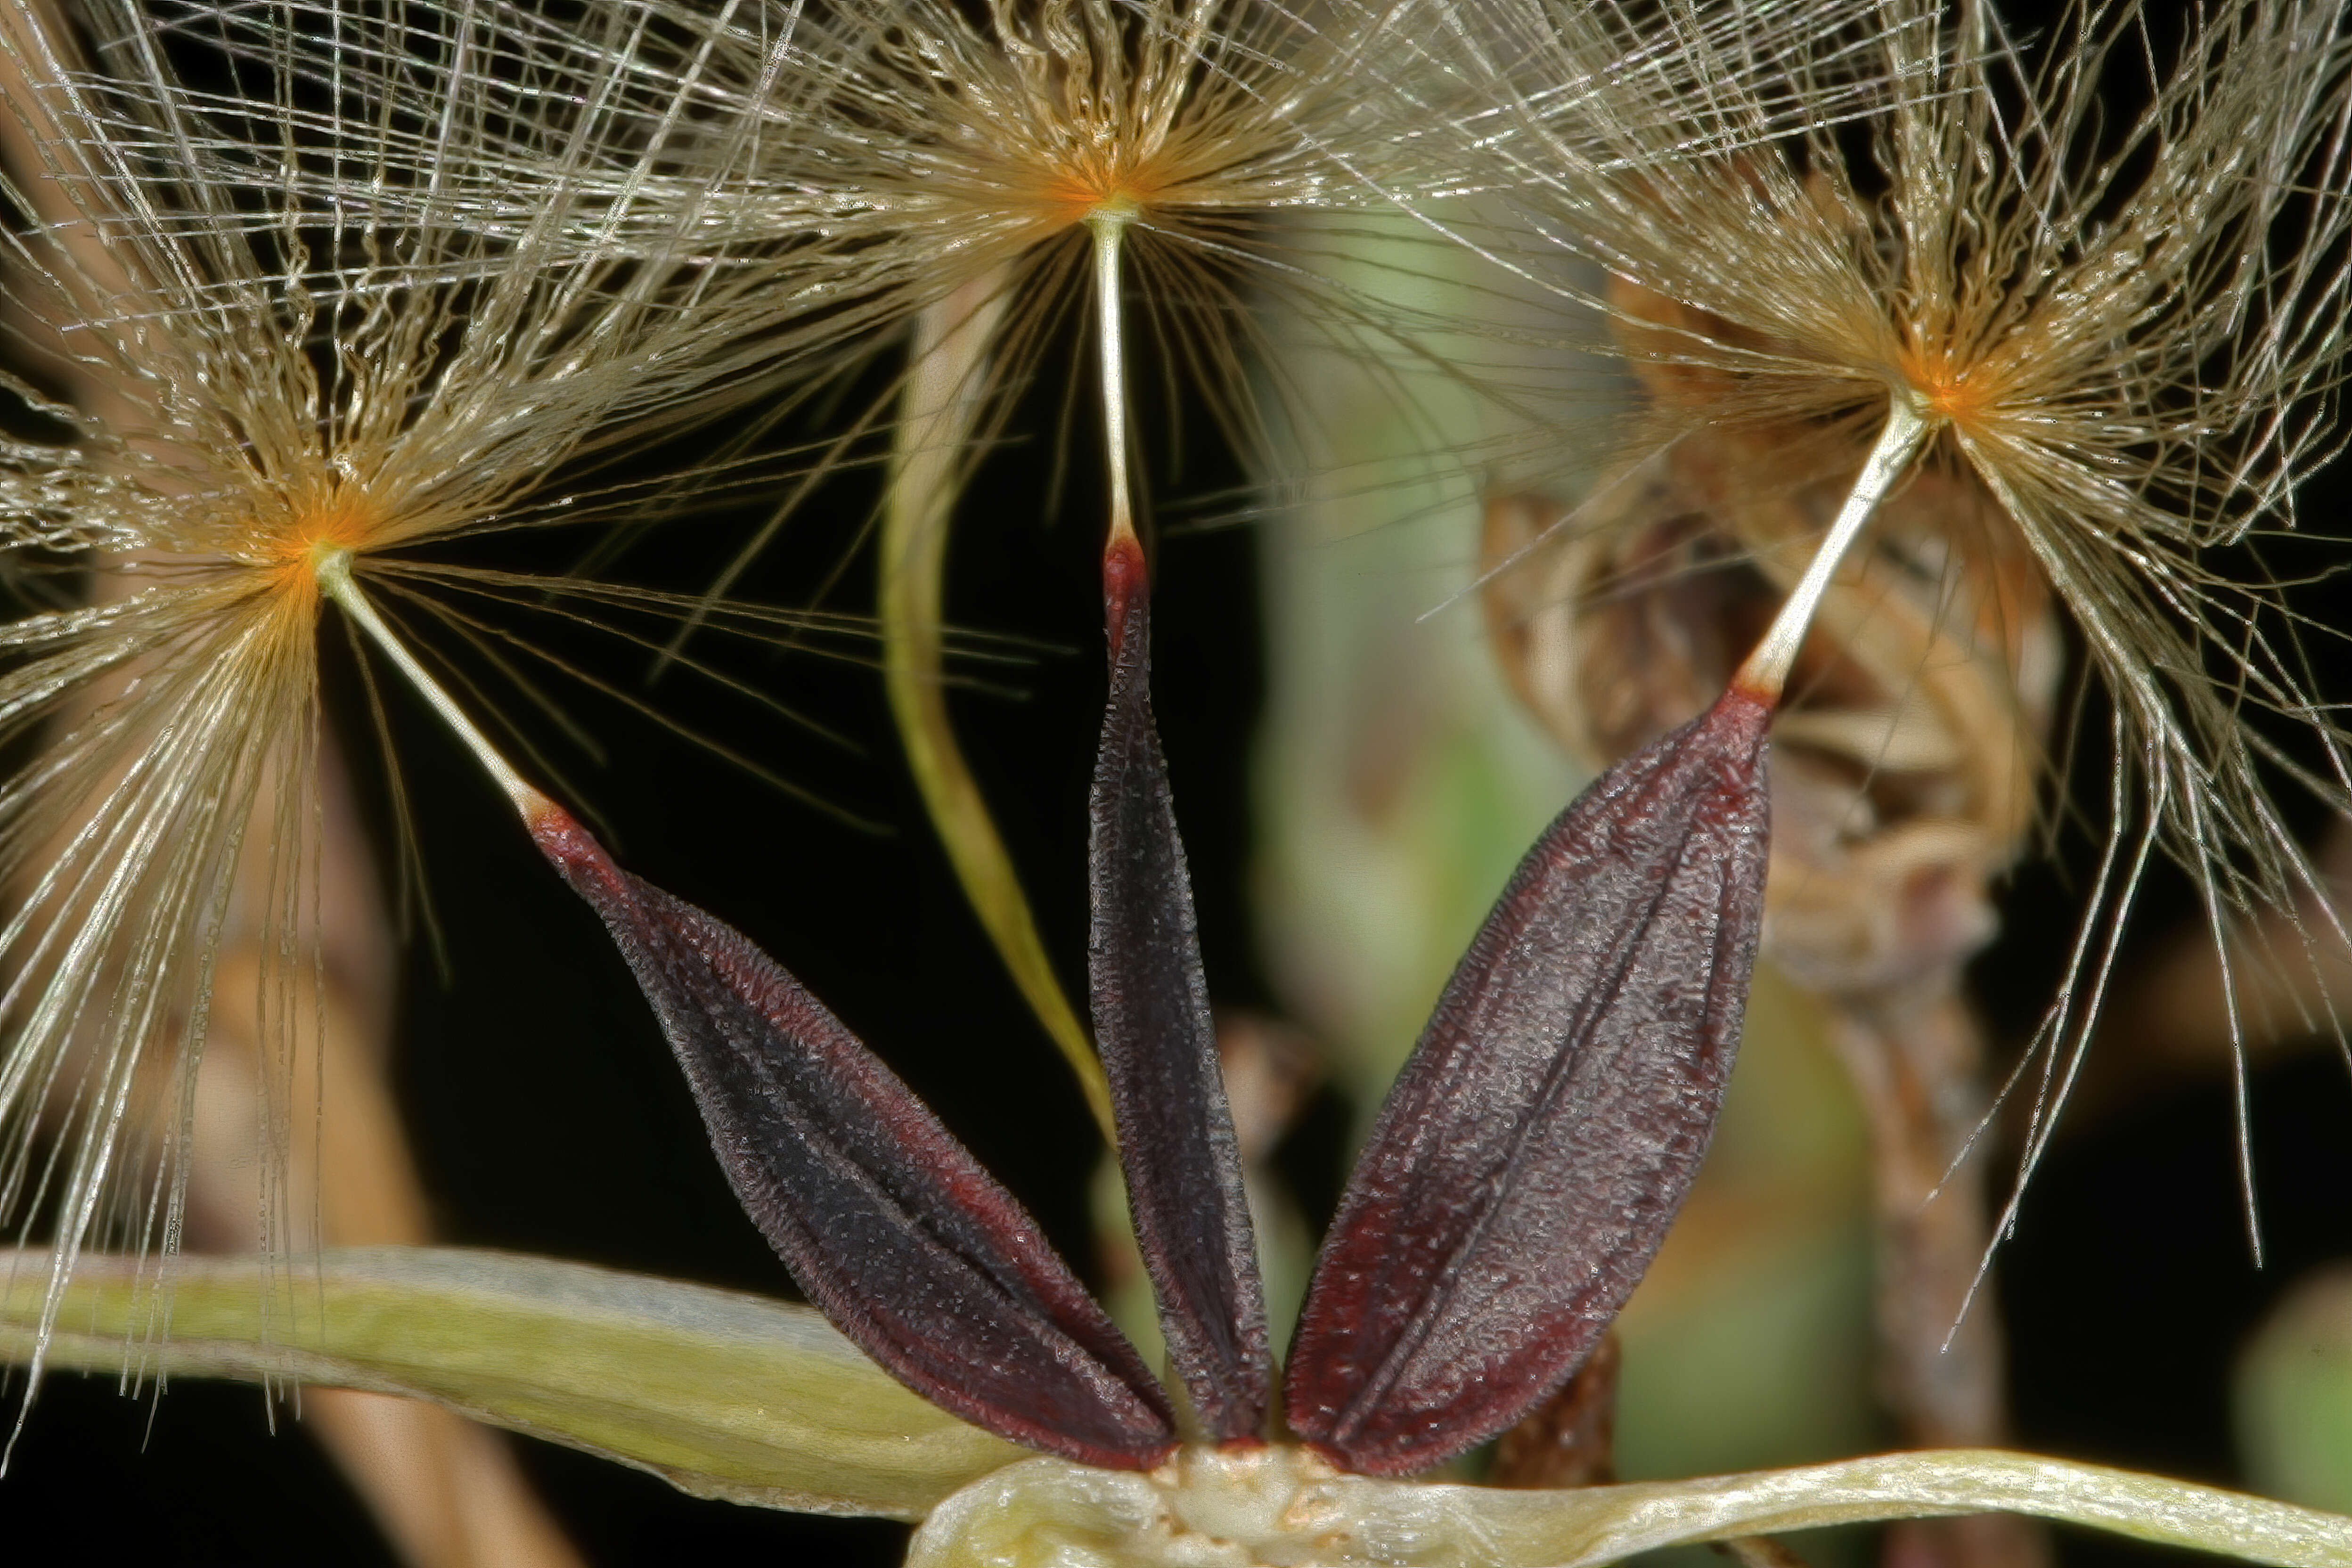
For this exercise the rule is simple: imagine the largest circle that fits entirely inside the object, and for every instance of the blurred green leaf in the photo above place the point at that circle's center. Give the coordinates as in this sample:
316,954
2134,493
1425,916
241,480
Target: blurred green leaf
2294,1395
723,1395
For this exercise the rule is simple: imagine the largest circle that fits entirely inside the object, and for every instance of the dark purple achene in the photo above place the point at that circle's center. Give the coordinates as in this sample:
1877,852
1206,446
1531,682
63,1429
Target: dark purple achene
1534,1149
891,1227
1514,1190
1159,1048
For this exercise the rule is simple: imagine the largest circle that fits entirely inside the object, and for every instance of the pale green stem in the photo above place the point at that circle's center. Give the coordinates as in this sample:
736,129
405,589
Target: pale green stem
1907,430
944,399
1276,1505
1604,1524
334,574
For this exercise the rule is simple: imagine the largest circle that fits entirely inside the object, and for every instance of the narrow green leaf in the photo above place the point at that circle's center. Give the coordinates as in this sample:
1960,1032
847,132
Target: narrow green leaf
723,1395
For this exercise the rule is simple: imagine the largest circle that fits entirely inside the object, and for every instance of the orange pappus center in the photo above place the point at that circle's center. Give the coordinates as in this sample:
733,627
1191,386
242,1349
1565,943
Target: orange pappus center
1092,186
1946,387
336,521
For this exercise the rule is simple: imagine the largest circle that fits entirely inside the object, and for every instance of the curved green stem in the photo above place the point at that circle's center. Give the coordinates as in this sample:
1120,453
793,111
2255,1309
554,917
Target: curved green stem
1583,1529
1286,1508
943,402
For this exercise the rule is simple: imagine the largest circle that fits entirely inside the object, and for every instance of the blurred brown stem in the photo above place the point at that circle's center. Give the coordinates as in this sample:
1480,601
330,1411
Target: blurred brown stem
1568,1440
1916,1065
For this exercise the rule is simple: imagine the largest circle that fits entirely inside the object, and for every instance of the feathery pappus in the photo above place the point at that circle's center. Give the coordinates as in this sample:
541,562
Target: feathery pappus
2104,348
965,174
1199,163
233,404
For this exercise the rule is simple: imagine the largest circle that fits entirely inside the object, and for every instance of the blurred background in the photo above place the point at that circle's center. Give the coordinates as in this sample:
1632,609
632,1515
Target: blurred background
1355,780
549,1118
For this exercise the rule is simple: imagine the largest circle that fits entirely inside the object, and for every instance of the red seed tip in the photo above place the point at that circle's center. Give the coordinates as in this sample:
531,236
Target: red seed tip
1539,1140
541,814
1748,686
571,848
1741,694
1127,582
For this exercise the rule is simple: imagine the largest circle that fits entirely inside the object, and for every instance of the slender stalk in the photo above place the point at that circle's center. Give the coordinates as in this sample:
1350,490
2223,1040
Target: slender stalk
944,399
335,580
1914,1061
1907,430
1109,227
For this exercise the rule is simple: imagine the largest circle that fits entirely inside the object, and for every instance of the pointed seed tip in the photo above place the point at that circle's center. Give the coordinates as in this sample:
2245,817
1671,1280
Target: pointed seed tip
543,815
570,848
1127,584
1125,572
1742,693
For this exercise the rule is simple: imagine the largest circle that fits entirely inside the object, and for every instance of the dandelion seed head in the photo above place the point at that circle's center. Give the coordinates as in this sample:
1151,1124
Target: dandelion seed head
2124,325
273,391
1073,110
